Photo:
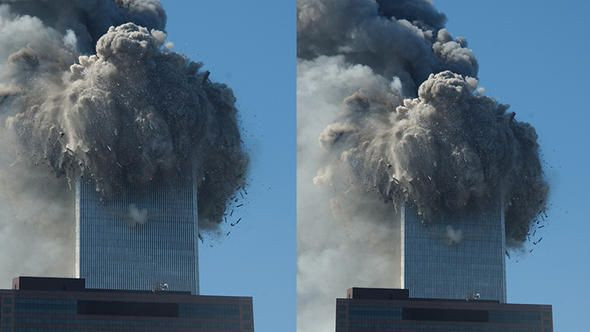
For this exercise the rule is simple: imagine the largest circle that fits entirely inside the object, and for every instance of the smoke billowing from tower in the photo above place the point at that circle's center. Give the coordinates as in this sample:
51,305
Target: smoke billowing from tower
91,88
395,102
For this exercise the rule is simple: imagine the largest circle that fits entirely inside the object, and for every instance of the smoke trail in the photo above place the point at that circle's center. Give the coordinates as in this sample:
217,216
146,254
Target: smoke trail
395,102
92,89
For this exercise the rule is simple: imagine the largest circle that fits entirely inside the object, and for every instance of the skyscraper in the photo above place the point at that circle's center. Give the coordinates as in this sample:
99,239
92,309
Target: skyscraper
144,238
455,257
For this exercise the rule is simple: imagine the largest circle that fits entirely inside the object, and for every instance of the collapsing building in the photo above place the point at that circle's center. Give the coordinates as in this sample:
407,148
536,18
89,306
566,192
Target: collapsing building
115,110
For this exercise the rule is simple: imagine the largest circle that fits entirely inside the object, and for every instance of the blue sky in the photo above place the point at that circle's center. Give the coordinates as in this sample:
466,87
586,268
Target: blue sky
534,56
251,47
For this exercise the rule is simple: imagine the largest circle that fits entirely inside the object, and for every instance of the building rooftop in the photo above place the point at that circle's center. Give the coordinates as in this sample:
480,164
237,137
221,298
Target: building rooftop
60,304
360,293
380,309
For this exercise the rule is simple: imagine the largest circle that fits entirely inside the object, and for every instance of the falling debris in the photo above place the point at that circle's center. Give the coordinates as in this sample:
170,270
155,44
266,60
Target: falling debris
467,135
237,222
109,115
91,88
395,102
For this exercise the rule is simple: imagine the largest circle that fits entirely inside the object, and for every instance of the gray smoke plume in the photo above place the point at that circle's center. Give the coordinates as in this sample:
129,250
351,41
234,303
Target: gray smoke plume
394,99
91,89
447,150
376,34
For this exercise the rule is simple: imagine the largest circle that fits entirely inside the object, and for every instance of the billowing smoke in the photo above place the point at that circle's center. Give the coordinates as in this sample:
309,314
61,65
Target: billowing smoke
394,100
91,88
447,150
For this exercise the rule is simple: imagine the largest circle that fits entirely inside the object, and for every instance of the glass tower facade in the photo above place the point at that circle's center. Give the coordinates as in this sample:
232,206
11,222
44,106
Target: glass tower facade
454,258
143,239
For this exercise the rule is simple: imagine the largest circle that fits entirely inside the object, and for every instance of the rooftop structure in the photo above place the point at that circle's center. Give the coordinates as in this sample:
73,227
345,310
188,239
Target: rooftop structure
60,304
372,310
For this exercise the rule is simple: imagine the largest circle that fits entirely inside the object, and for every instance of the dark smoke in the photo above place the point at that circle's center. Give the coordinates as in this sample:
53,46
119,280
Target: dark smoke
91,88
394,99
90,19
376,34
446,150
86,98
